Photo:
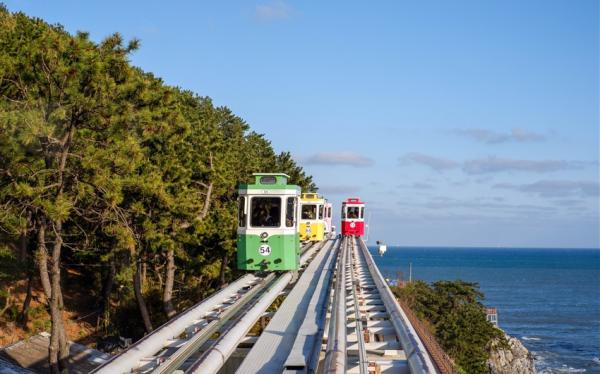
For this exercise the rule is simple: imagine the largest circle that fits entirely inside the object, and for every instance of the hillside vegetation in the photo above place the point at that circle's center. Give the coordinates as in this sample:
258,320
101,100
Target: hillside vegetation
454,314
112,183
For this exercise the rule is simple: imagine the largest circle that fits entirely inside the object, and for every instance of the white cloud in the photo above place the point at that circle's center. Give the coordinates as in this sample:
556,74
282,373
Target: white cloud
556,188
273,11
418,186
339,158
436,163
491,137
494,164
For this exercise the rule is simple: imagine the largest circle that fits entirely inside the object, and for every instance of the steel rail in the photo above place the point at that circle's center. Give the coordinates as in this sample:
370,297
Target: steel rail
192,345
283,329
156,341
335,355
148,353
305,352
418,358
362,350
216,356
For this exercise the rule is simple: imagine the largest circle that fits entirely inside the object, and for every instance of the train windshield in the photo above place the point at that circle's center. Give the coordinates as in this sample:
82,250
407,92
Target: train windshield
309,211
353,212
265,212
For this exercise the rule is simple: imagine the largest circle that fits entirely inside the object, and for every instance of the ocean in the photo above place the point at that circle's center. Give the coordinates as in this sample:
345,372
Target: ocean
548,298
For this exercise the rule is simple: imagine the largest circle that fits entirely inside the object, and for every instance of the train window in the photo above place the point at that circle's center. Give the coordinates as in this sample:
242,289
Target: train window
362,212
344,212
242,212
290,212
320,211
265,212
309,211
268,179
353,212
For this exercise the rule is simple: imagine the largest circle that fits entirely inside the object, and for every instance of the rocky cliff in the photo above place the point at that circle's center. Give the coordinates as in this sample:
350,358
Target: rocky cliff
513,358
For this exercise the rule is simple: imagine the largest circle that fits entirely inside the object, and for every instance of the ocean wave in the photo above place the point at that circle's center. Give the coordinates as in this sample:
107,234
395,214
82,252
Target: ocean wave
547,362
530,338
562,369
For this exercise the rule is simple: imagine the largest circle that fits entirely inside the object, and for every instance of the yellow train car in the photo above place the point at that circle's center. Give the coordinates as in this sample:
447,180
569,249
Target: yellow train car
312,222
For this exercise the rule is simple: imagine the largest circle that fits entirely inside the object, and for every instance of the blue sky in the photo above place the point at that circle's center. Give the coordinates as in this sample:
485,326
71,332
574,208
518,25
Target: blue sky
461,123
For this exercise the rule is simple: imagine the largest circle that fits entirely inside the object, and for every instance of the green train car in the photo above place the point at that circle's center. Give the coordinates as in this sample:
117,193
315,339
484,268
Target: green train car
267,234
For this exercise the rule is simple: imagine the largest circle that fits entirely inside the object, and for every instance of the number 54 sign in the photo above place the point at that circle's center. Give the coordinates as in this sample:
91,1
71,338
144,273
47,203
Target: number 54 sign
264,250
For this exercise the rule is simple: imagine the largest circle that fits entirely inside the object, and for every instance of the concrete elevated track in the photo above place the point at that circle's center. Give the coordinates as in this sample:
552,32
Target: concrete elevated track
338,315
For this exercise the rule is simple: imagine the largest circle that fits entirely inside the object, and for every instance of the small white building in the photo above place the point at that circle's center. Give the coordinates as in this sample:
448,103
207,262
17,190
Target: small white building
491,315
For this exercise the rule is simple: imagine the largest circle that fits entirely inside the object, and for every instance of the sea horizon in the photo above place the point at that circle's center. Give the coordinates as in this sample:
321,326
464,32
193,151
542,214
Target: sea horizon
395,246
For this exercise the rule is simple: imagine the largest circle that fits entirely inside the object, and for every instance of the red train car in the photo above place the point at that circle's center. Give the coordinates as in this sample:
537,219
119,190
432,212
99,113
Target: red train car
353,217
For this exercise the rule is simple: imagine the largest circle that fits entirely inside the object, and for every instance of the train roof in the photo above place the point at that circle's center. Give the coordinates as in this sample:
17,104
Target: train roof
312,196
269,181
353,200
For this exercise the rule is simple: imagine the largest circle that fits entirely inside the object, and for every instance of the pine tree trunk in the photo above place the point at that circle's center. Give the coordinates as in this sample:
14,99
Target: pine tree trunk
23,317
137,287
158,272
23,244
169,281
61,304
53,350
224,261
107,287
42,260
58,329
144,273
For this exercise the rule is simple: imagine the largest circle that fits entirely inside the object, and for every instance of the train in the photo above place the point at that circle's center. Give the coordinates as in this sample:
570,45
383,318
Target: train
312,222
353,217
267,233
274,216
329,228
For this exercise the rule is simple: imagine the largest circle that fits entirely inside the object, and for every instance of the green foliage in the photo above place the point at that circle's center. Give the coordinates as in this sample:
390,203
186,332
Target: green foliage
10,266
456,315
129,167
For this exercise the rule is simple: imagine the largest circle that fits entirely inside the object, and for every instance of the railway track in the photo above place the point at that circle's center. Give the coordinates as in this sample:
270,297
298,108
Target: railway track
177,343
340,316
372,343
293,336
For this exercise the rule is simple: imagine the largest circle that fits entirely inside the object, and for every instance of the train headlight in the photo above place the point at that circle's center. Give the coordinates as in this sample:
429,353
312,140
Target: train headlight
264,235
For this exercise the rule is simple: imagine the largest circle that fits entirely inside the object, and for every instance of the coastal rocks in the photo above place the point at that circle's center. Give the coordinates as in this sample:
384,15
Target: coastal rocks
513,358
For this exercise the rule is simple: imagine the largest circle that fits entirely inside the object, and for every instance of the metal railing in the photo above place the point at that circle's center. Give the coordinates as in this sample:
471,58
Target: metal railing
441,360
419,360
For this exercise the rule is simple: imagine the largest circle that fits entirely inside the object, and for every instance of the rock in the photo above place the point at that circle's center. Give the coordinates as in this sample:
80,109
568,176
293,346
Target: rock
511,359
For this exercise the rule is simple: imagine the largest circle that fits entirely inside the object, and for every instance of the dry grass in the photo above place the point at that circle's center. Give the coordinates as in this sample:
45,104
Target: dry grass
78,303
